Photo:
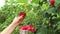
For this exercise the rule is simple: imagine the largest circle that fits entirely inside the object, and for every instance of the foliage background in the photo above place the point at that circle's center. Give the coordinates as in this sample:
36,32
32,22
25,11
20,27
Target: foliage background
45,18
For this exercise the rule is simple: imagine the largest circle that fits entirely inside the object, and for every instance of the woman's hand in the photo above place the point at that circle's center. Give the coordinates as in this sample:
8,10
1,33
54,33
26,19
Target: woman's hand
17,20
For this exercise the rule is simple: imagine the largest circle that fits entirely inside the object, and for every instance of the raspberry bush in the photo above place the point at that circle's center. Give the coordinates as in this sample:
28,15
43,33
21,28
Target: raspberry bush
44,15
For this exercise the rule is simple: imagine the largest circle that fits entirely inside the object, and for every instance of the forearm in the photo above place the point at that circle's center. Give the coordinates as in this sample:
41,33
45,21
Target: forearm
17,20
12,26
9,29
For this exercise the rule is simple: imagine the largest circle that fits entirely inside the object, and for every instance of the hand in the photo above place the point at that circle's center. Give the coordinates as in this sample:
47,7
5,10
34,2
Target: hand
18,19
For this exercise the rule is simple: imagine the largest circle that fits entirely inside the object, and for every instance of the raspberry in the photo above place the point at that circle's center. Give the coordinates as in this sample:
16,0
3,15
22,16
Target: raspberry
23,14
52,2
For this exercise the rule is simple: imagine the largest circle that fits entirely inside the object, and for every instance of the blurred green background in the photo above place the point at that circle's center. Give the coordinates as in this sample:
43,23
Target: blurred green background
45,18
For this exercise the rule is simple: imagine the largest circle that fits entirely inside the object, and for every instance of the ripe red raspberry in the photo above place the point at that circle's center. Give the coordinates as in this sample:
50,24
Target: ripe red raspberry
23,14
30,28
52,2
33,29
23,28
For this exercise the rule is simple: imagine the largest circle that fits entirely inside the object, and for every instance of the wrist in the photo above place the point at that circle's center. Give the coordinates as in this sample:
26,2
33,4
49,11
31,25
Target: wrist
13,25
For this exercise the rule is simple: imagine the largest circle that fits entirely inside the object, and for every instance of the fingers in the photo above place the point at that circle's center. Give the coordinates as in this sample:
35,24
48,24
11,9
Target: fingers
20,17
23,14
